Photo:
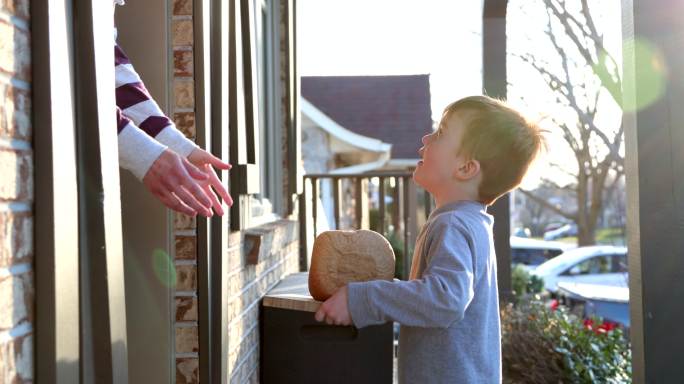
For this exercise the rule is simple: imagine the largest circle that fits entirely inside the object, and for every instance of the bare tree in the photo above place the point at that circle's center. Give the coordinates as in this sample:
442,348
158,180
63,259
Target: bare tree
580,71
537,217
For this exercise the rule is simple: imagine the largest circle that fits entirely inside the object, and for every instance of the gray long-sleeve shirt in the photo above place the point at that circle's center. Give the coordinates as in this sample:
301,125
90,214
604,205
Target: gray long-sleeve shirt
449,308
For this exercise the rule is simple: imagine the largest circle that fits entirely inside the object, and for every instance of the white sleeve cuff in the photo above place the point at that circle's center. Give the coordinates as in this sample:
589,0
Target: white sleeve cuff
176,140
137,150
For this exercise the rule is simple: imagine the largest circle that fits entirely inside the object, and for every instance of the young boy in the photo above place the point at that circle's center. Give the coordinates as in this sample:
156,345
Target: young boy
449,307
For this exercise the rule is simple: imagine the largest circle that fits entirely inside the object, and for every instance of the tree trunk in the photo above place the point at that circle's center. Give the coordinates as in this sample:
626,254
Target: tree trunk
586,235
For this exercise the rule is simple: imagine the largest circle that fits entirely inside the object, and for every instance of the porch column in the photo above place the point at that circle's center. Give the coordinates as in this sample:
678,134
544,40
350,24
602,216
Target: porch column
654,135
494,85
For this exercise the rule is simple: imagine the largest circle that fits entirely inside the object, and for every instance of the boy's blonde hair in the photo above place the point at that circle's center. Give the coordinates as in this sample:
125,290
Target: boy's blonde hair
502,140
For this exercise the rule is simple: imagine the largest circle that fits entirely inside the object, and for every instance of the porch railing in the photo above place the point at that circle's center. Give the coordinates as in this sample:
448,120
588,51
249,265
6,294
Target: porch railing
389,203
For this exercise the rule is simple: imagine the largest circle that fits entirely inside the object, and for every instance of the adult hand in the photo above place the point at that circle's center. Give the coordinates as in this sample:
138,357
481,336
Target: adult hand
178,184
205,161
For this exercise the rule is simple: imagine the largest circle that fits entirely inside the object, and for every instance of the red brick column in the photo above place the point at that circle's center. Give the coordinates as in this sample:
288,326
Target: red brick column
185,228
16,195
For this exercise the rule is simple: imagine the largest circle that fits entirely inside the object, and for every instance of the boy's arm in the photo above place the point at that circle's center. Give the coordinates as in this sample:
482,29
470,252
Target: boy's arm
137,104
436,300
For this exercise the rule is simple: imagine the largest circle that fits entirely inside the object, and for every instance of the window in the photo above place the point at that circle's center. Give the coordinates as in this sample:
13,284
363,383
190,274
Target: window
266,203
594,265
533,256
620,263
255,122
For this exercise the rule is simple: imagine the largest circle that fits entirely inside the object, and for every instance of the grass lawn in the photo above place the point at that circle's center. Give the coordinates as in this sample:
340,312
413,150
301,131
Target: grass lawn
604,236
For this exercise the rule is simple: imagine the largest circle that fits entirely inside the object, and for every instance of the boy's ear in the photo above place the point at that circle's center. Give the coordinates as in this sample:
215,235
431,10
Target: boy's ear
467,170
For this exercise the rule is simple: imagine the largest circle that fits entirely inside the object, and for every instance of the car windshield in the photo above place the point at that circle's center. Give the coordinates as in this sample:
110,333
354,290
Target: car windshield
555,263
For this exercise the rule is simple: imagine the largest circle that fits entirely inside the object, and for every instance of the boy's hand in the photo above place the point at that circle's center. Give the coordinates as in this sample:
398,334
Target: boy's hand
335,310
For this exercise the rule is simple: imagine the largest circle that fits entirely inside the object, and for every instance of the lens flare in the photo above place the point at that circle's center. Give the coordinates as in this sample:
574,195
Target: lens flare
163,268
650,74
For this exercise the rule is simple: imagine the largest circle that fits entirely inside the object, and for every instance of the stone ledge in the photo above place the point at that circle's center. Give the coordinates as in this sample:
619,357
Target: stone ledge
282,226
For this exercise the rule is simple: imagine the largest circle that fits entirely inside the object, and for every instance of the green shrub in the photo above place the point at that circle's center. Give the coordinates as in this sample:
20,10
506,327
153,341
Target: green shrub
397,244
524,284
540,345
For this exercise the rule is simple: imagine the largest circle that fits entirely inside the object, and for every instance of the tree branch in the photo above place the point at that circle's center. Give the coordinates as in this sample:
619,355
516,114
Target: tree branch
564,17
597,59
611,188
563,170
548,205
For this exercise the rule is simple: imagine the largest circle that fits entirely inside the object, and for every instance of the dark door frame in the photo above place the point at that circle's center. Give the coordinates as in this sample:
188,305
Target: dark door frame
494,84
80,308
654,139
211,26
56,201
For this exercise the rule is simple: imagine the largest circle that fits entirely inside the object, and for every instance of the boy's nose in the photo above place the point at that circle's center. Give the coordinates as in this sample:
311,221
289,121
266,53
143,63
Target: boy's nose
425,139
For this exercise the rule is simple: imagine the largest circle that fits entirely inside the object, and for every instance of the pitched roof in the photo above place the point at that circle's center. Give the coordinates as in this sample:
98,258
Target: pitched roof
394,109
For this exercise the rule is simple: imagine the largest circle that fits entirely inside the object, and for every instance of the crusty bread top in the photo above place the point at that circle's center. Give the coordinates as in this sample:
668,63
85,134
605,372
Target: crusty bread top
341,257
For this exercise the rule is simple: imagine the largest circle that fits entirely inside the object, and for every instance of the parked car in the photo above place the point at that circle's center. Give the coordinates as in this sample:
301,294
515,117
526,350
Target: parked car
554,225
565,231
606,300
533,252
604,264
522,232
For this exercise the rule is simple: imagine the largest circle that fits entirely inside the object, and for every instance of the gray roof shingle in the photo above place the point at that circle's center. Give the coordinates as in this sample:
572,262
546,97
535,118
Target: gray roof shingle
394,109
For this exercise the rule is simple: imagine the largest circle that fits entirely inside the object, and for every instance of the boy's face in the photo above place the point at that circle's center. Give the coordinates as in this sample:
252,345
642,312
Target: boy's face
439,154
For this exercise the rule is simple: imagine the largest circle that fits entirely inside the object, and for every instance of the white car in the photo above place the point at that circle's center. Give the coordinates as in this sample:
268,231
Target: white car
533,252
564,231
603,264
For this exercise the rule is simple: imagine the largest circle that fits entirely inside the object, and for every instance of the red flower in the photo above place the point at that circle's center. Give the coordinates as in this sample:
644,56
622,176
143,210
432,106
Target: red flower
601,328
554,304
608,326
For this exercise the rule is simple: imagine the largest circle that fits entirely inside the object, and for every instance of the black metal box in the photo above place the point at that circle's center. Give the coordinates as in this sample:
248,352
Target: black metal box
295,348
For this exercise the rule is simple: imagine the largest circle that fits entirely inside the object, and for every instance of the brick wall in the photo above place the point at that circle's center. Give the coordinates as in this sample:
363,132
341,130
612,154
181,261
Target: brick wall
185,227
16,195
247,283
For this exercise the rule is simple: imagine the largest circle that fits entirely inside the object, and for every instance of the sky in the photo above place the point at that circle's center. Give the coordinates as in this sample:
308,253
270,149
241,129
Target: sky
395,37
441,38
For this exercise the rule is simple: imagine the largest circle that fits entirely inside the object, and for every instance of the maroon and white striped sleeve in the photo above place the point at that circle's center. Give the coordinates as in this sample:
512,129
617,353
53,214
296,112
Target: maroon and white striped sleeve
137,150
137,105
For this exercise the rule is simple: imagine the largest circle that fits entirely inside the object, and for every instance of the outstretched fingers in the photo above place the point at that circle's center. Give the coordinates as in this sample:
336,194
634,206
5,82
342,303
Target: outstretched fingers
189,190
191,199
215,203
219,187
171,201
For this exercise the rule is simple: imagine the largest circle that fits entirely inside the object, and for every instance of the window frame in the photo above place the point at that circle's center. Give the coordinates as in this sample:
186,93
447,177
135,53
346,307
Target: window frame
247,177
271,130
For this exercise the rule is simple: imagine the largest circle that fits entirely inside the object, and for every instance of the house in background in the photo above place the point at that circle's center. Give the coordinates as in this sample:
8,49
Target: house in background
394,110
361,124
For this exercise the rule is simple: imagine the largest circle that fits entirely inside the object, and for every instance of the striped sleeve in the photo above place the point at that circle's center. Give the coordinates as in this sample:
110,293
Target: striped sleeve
137,150
137,104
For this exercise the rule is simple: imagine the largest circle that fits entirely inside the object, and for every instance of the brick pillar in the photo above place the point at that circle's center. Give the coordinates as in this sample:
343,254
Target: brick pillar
16,195
185,227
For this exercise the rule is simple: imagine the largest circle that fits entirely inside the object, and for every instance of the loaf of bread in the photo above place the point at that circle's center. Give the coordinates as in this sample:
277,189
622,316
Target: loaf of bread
341,257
